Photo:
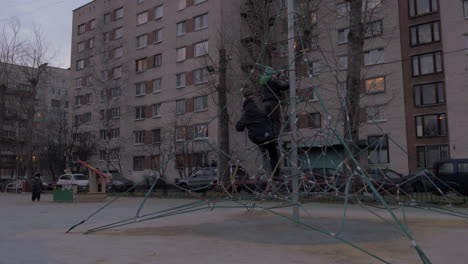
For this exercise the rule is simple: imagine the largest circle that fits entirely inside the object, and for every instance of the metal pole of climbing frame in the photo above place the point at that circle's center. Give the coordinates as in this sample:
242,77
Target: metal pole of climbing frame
292,107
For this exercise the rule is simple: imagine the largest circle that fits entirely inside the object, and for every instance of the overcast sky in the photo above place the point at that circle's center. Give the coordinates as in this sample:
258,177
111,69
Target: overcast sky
54,17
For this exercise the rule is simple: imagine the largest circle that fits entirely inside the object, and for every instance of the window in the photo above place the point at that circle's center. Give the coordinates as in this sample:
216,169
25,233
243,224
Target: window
316,67
107,18
465,8
378,149
114,154
201,76
373,29
140,65
158,12
201,22
181,4
374,56
78,100
463,168
342,9
81,46
431,125
446,169
115,112
180,54
342,63
115,92
428,63
375,85
80,82
102,133
200,103
375,114
156,110
119,13
157,60
140,88
139,112
428,155
117,52
91,43
371,4
118,33
425,33
201,48
156,136
429,94
102,154
180,80
196,2
181,28
117,72
102,114
81,29
155,163
92,24
142,18
106,37
115,133
141,41
343,35
180,133
85,118
158,35
314,120
138,163
180,107
157,85
310,94
421,7
200,131
80,65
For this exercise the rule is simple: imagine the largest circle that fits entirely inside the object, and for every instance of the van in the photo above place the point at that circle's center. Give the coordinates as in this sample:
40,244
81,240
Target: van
454,175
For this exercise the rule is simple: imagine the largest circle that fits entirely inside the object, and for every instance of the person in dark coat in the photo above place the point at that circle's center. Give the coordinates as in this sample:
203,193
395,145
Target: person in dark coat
273,84
259,129
36,186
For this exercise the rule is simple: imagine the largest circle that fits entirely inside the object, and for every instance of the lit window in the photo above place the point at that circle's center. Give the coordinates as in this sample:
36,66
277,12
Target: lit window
431,125
200,131
375,85
141,65
201,48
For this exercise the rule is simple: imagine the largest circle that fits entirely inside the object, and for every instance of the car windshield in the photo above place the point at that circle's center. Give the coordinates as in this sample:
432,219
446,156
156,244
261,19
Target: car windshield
117,176
80,177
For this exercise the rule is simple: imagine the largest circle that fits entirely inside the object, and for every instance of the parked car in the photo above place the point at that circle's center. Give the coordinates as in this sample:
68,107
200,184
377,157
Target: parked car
119,183
452,175
206,178
79,179
48,183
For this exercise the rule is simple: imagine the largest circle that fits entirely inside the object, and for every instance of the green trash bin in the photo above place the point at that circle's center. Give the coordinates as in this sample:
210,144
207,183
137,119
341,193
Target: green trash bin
64,193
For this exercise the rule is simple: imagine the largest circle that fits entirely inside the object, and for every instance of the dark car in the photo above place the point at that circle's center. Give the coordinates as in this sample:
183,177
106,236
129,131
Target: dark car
206,178
452,175
119,183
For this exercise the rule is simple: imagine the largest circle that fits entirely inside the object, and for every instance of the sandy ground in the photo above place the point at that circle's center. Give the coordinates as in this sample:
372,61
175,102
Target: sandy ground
35,233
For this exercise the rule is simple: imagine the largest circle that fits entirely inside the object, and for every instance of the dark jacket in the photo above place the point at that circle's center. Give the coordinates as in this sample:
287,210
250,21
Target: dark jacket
256,122
36,185
271,90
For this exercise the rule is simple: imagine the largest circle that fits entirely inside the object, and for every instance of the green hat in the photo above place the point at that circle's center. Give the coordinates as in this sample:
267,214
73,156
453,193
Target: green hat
269,71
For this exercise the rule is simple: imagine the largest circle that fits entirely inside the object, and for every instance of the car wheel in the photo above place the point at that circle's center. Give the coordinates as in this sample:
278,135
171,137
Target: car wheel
184,186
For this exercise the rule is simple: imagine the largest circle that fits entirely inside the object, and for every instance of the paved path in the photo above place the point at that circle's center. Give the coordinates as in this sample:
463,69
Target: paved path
34,233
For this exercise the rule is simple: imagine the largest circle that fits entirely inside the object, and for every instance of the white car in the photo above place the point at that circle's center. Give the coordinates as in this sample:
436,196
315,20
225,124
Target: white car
79,179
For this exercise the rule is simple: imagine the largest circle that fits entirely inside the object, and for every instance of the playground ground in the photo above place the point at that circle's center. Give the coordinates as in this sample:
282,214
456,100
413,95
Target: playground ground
35,233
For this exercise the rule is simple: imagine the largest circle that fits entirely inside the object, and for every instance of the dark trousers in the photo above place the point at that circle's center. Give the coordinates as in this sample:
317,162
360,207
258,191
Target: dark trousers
273,153
36,196
273,111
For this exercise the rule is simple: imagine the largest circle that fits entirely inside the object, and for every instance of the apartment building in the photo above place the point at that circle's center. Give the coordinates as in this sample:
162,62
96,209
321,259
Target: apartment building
20,137
140,81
